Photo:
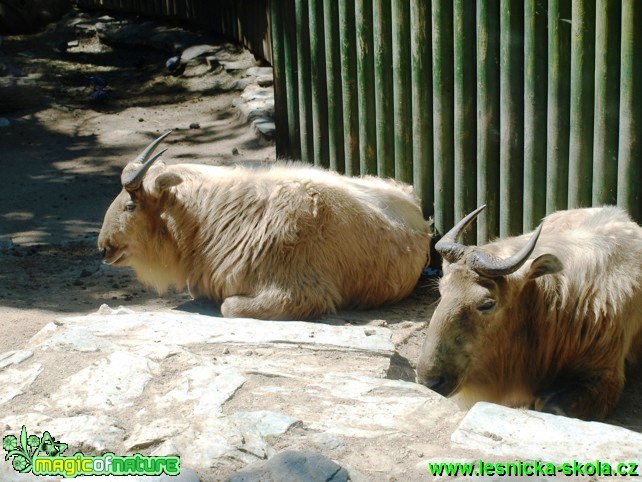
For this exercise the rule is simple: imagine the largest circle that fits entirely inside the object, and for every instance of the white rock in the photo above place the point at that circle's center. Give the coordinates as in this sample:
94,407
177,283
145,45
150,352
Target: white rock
209,386
267,423
259,71
134,329
112,382
525,434
154,433
14,381
14,357
100,433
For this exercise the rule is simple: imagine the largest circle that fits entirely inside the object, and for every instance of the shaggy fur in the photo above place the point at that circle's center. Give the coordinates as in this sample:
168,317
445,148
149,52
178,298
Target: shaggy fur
284,242
559,334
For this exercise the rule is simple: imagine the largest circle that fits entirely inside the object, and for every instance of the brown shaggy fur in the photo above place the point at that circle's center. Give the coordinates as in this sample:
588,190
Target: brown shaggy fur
284,242
559,335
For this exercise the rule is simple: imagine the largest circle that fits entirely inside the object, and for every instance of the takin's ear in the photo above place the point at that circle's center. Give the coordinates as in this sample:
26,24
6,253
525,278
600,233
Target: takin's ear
544,264
166,180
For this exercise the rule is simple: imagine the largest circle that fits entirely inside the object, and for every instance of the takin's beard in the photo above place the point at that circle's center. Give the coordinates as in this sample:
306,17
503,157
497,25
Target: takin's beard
161,273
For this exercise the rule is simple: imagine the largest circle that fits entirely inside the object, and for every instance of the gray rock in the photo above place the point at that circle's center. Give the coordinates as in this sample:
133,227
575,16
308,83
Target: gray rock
525,434
4,122
293,466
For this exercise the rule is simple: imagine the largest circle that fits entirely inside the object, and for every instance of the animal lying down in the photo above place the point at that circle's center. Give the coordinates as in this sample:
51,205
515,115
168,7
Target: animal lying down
281,242
546,320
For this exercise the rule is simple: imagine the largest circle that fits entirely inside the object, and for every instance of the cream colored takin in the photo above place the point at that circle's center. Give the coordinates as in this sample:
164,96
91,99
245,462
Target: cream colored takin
546,320
280,242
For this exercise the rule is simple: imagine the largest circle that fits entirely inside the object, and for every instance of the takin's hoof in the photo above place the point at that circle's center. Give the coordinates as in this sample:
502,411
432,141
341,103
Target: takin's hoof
552,402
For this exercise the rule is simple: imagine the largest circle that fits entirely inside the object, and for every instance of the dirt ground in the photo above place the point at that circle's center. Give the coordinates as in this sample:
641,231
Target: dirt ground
61,158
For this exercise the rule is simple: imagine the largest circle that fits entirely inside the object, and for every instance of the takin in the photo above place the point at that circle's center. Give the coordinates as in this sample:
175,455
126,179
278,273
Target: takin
283,242
546,320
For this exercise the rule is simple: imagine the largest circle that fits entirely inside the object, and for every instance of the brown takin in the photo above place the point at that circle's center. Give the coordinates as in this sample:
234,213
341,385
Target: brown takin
288,241
546,320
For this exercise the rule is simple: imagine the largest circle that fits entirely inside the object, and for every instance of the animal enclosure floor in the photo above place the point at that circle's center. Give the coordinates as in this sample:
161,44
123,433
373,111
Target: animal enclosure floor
61,158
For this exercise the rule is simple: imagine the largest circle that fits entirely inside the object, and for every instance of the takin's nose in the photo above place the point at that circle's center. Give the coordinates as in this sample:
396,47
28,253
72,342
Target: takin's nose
103,250
437,384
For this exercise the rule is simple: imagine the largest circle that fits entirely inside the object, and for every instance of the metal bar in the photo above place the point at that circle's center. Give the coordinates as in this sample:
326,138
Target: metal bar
465,165
629,188
442,94
291,79
580,167
422,154
333,77
558,112
535,76
278,68
319,85
487,119
383,87
511,167
349,86
304,79
402,92
365,88
607,82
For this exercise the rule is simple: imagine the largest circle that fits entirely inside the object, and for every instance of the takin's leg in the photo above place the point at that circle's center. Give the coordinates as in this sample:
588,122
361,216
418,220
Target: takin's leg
590,397
278,304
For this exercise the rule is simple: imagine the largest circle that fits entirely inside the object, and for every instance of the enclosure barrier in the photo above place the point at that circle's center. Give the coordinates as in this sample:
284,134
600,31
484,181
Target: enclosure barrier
528,106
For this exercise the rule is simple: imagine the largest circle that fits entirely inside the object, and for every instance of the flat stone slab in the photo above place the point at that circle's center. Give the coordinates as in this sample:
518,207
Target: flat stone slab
528,435
221,393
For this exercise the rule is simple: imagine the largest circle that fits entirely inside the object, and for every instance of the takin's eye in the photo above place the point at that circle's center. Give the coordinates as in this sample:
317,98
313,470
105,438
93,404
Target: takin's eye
130,206
486,306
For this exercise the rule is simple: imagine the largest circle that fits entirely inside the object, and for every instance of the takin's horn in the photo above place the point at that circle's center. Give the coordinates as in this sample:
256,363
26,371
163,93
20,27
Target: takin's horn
447,246
132,179
491,266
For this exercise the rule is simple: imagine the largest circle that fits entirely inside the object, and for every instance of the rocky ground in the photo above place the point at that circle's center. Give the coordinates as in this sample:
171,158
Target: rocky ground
170,376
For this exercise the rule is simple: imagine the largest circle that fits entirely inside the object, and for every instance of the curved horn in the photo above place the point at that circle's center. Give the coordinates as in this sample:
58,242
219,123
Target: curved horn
143,156
447,246
131,180
486,264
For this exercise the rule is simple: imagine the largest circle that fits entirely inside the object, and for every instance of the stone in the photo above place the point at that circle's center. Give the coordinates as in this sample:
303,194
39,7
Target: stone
293,466
260,71
14,381
267,423
112,382
524,434
127,329
264,128
14,357
154,433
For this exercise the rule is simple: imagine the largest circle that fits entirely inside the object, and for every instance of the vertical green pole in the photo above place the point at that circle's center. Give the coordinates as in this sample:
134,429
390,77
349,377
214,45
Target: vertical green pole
291,79
422,154
535,76
607,83
278,64
319,85
629,187
442,95
465,128
487,119
401,68
580,166
511,167
383,87
349,87
333,78
558,113
304,79
365,88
